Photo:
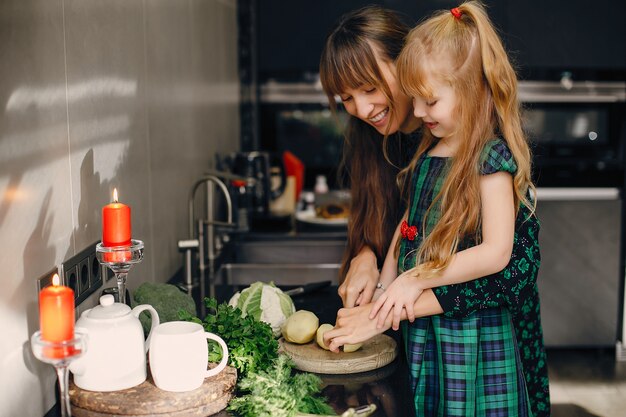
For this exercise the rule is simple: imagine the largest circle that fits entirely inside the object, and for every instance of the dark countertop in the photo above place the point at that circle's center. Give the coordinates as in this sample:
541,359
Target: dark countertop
387,387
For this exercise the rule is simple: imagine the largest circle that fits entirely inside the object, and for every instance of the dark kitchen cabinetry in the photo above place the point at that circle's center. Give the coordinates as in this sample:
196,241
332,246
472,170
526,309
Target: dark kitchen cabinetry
586,38
291,34
545,38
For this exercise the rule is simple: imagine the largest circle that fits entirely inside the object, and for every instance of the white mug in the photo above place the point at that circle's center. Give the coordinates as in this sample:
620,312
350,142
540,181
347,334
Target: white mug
179,356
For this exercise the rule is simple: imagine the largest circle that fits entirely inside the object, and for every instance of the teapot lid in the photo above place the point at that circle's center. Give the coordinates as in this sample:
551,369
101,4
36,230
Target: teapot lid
108,309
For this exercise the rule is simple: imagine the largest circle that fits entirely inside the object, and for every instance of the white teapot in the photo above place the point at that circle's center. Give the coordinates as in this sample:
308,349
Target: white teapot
115,358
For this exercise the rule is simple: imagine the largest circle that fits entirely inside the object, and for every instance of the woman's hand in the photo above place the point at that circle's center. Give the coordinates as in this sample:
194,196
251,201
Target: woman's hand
402,293
353,326
360,283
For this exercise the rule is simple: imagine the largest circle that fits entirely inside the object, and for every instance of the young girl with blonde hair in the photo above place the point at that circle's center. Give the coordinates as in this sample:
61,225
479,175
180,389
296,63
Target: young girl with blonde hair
470,194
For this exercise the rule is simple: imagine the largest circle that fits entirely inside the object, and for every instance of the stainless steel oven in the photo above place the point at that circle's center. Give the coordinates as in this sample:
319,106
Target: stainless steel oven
296,117
577,130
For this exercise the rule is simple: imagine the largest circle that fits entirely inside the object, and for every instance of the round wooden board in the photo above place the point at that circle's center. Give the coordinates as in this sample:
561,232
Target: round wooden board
146,400
375,353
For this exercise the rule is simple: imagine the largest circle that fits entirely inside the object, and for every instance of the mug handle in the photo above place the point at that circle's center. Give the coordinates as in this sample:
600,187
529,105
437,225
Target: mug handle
222,364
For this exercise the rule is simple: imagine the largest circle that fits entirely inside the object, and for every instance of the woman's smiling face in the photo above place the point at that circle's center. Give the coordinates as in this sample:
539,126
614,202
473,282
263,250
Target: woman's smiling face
370,104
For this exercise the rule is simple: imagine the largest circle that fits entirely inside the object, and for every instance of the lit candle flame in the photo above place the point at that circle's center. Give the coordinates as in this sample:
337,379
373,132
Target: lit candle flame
56,280
115,195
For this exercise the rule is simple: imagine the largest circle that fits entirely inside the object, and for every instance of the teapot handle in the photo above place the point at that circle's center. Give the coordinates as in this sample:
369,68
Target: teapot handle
154,322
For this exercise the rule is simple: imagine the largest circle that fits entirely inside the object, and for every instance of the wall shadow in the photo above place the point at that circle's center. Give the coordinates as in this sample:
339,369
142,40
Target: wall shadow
37,247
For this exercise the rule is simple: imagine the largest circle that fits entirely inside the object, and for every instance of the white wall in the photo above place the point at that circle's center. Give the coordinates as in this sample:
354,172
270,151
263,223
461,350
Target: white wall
95,94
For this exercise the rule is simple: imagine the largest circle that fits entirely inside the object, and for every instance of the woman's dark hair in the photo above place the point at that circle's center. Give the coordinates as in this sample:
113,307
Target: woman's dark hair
370,160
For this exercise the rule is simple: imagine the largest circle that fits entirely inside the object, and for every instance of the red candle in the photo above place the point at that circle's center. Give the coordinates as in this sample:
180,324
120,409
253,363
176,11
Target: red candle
56,312
116,223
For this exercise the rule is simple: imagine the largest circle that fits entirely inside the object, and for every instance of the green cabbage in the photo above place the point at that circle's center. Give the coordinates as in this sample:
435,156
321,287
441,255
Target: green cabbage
265,302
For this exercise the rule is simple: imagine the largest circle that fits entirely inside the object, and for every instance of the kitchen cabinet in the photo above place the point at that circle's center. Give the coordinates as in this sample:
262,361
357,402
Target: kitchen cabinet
548,38
291,34
545,38
580,271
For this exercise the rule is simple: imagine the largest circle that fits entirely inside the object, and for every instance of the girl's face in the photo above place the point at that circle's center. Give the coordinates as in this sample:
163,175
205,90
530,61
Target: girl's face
368,103
438,112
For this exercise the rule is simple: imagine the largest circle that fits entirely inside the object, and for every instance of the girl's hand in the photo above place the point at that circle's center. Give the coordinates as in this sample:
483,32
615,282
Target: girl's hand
402,293
353,326
360,283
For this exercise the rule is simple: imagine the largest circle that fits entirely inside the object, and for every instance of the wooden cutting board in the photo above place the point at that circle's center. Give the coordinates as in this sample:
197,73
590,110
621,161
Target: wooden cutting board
146,400
375,353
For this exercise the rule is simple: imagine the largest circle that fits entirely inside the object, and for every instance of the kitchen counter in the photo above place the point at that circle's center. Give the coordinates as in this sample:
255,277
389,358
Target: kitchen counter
296,231
386,387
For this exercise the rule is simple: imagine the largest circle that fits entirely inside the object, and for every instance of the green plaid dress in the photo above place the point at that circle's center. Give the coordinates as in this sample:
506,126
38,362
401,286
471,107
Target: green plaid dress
515,287
466,366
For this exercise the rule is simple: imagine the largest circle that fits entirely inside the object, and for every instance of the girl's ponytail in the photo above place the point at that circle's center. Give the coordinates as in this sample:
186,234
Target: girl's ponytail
502,81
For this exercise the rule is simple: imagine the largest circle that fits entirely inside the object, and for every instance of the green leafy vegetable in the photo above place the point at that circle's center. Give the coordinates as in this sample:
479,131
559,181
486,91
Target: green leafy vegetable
265,302
276,392
266,385
251,344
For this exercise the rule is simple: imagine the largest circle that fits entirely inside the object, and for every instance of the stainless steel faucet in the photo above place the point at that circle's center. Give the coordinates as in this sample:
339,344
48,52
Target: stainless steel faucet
213,241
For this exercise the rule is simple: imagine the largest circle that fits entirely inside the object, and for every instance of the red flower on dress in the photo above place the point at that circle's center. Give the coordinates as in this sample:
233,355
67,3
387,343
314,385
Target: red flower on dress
403,228
408,232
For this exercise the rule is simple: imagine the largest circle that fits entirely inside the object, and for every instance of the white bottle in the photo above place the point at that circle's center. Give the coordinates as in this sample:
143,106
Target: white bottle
321,186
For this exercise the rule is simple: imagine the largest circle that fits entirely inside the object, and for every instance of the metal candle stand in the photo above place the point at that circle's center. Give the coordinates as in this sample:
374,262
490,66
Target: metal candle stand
119,259
60,355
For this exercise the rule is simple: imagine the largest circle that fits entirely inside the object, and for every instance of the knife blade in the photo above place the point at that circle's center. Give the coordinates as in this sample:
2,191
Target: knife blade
307,288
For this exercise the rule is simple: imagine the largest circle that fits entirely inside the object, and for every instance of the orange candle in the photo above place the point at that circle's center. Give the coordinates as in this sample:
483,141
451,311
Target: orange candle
116,223
56,312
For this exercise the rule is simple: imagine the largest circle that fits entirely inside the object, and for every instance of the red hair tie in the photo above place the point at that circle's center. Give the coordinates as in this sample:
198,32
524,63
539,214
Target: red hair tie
456,13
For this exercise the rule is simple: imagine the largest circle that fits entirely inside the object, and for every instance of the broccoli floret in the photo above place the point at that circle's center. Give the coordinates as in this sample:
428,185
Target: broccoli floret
166,299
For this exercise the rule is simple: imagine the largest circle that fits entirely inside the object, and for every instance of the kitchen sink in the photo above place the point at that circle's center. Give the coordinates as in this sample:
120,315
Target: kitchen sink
288,251
280,273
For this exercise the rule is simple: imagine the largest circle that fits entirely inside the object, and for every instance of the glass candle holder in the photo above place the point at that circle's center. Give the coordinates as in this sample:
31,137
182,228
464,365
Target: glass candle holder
60,355
120,259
